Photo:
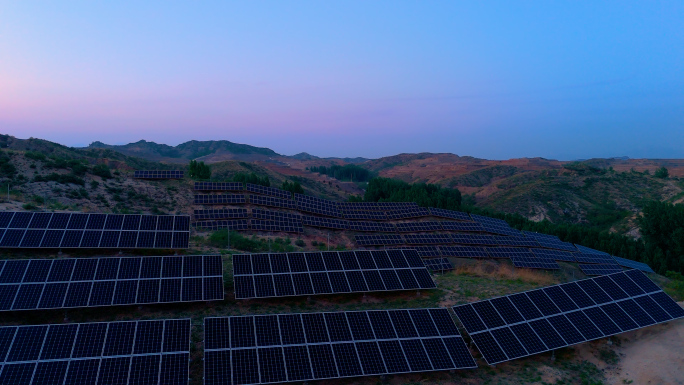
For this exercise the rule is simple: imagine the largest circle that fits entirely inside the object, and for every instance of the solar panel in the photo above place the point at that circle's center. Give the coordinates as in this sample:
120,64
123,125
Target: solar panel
210,214
508,252
158,174
556,255
219,186
532,262
426,251
135,352
365,215
80,230
474,239
286,226
545,319
108,281
229,224
220,199
329,223
379,240
259,349
317,206
605,259
633,264
377,227
438,264
462,226
516,241
375,206
407,213
296,274
414,227
464,251
602,269
451,214
427,239
588,250
270,191
551,241
281,216
260,200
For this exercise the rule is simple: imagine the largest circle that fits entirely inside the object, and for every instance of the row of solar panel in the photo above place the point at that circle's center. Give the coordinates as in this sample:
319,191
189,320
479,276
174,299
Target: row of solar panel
12,238
132,352
333,282
249,264
158,174
106,268
604,264
239,186
81,221
300,347
83,282
444,238
531,322
438,264
31,296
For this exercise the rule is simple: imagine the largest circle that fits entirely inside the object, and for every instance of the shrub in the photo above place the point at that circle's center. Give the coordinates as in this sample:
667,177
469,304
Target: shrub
60,178
29,206
35,155
662,173
102,171
300,243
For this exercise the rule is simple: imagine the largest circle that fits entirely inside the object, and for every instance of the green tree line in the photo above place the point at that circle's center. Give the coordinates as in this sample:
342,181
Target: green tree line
347,172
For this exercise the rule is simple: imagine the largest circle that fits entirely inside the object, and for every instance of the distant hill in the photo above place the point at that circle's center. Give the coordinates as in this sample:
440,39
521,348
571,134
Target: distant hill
210,151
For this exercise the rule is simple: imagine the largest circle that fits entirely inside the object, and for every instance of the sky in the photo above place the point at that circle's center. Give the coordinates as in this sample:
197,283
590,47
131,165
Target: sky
492,79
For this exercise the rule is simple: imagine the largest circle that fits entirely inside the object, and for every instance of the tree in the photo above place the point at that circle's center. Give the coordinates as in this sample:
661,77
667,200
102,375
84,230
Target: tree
293,187
252,178
199,170
102,171
662,173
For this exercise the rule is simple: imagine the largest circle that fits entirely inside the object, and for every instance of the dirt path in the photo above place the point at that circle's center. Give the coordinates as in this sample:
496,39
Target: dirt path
652,355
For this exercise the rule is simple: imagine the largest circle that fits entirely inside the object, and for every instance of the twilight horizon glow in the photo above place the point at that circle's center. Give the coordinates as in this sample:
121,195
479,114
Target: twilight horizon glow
561,80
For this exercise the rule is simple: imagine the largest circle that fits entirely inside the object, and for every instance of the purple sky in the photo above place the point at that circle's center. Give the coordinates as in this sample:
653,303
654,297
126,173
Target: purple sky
562,79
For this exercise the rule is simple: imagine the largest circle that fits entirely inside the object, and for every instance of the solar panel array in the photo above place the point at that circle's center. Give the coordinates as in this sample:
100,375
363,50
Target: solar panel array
124,352
270,191
533,262
77,230
451,214
427,251
495,226
379,240
604,259
536,321
261,200
517,241
438,264
464,251
276,226
329,223
633,264
600,269
218,186
462,226
27,284
280,348
202,215
427,239
318,206
296,274
550,241
229,224
556,255
474,239
378,227
365,215
588,250
220,199
158,174
415,227
407,213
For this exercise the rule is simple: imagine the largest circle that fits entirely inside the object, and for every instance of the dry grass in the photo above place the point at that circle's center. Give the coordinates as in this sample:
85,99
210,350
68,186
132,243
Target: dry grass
506,272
